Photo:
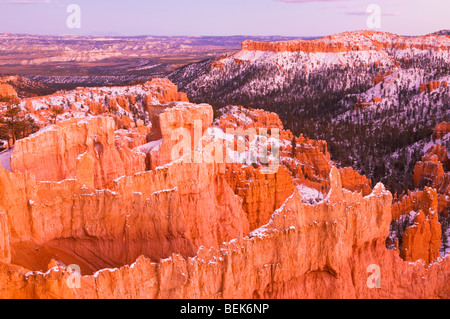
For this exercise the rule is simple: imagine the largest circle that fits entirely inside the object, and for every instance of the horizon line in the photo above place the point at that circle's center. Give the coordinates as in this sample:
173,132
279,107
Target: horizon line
206,36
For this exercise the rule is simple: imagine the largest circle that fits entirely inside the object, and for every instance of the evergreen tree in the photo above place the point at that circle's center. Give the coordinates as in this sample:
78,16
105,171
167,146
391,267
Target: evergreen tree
15,126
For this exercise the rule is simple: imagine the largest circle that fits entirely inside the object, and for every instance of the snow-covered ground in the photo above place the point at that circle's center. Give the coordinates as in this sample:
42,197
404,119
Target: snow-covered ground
309,195
147,148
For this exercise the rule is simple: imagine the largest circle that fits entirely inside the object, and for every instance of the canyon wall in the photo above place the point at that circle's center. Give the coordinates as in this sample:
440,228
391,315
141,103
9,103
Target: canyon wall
321,251
441,130
59,151
177,124
173,229
153,213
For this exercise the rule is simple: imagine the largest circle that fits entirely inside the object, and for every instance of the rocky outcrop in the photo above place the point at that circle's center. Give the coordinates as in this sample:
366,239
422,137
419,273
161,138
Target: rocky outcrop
355,182
245,118
311,159
127,104
440,152
165,91
443,186
5,250
302,252
433,166
431,86
155,214
262,194
184,122
380,77
404,205
441,130
197,230
310,162
75,144
422,240
133,137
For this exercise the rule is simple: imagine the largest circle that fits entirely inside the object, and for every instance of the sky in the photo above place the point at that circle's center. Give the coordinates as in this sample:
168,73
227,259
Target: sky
221,17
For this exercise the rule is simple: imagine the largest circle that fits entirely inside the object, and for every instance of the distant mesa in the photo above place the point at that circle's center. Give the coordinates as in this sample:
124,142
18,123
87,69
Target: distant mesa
349,41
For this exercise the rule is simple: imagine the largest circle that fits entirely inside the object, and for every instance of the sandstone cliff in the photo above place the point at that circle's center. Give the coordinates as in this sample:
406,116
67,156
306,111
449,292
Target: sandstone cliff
177,124
352,41
75,145
7,90
431,86
422,240
429,171
320,251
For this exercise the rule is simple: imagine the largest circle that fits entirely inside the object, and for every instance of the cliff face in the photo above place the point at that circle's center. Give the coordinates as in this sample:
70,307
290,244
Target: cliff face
153,214
7,90
178,125
431,86
73,146
342,251
354,41
262,194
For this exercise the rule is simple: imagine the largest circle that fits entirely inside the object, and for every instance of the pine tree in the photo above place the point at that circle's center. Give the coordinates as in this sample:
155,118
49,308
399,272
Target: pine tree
294,146
15,126
55,111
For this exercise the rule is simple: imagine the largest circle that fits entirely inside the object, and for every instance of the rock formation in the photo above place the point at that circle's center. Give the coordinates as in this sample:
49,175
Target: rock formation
140,223
354,41
7,90
355,182
262,194
421,236
73,146
431,86
422,240
434,163
380,77
332,248
178,125
441,130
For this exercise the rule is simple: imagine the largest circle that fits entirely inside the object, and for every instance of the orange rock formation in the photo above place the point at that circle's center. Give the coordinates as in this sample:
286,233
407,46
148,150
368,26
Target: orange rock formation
429,171
355,182
431,86
199,230
182,116
7,90
304,251
423,239
441,130
74,146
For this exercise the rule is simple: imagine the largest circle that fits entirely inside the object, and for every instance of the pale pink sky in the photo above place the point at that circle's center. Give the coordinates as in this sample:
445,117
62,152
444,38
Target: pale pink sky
229,17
